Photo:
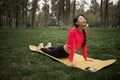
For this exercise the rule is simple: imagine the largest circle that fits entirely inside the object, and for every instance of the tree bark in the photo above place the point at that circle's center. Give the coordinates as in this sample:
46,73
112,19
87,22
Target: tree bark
46,14
106,13
34,6
16,21
74,8
67,14
61,12
101,13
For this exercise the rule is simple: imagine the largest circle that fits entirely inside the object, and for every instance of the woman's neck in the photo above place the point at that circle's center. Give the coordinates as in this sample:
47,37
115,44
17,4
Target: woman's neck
80,29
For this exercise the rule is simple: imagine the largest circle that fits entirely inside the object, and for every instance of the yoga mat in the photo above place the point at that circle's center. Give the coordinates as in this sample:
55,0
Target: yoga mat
93,66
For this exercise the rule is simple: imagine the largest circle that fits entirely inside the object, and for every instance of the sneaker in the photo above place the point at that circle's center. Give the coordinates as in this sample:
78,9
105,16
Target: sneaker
41,45
48,45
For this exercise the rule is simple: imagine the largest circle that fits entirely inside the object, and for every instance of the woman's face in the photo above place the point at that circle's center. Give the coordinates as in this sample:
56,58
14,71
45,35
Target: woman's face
81,21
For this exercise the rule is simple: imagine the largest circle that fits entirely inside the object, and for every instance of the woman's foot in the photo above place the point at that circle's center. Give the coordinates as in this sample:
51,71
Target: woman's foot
41,45
39,48
48,45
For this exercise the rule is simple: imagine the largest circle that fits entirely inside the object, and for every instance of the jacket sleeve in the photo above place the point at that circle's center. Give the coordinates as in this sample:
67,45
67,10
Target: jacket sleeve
72,45
84,52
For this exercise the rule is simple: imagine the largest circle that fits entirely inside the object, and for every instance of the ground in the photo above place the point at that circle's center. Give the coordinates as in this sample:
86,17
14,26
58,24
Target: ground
17,62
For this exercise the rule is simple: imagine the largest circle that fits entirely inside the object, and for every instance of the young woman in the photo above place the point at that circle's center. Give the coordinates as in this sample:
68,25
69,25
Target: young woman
76,39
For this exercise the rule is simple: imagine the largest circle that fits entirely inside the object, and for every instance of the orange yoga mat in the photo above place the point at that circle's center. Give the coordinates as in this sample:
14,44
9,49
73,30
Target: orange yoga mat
93,66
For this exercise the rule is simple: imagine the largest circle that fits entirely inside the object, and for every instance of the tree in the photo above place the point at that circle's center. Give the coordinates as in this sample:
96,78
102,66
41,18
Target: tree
54,12
94,7
34,7
106,12
118,13
46,13
74,7
94,13
64,13
101,13
67,14
61,12
17,12
13,12
23,4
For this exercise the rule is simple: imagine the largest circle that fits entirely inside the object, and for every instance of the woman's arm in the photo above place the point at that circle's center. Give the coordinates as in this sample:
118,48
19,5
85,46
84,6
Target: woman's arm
72,46
84,52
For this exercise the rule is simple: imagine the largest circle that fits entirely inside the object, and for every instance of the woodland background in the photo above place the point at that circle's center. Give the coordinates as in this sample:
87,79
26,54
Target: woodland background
25,13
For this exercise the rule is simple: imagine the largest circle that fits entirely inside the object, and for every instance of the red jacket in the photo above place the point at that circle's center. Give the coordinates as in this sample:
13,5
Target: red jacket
74,42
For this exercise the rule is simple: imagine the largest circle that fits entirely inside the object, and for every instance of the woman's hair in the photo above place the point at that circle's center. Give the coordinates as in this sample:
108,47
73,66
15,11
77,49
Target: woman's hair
84,42
74,21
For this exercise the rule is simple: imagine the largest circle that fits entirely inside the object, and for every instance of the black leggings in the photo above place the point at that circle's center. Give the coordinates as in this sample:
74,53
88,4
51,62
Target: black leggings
58,52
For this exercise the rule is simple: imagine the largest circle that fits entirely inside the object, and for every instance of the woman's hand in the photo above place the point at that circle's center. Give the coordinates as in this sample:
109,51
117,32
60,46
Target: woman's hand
89,60
71,64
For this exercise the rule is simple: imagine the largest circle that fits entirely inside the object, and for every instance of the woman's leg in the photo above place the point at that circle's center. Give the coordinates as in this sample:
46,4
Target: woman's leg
58,52
46,50
51,48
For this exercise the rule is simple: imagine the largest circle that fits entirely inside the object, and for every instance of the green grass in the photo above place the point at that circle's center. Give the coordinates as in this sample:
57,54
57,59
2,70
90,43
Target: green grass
17,62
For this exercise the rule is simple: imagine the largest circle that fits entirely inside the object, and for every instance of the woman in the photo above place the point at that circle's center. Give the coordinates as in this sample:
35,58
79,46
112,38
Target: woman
76,39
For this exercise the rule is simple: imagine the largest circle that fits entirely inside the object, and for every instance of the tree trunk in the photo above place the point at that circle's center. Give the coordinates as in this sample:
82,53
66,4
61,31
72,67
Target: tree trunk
61,12
9,21
74,7
34,6
106,13
1,20
46,12
101,13
23,14
67,14
59,15
16,22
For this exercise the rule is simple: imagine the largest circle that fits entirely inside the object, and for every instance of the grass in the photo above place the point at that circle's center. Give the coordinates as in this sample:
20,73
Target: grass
17,62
